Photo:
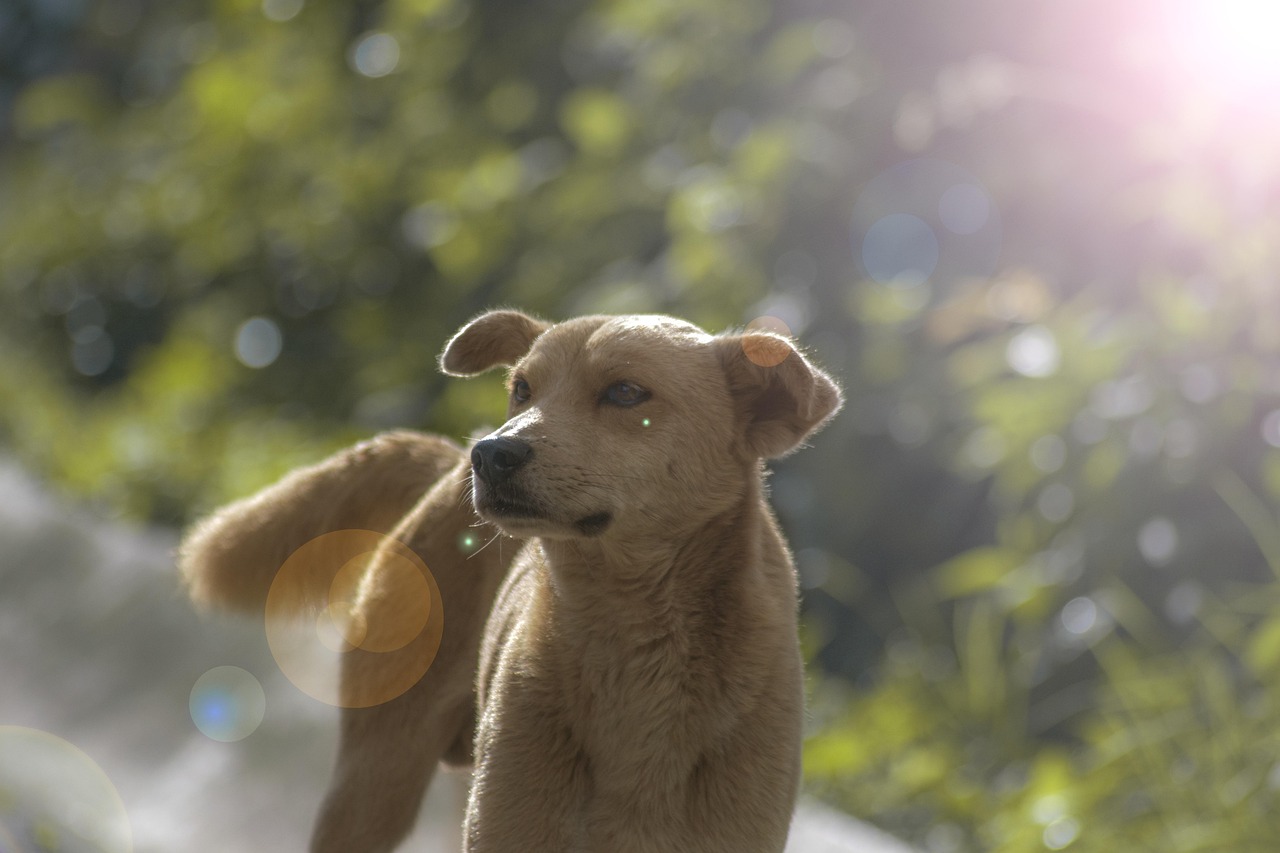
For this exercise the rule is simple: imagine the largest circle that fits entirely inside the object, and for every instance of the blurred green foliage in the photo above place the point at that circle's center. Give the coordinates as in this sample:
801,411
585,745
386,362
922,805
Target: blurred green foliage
1039,548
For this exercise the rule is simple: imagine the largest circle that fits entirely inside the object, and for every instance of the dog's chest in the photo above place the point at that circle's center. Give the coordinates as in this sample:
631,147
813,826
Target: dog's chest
640,716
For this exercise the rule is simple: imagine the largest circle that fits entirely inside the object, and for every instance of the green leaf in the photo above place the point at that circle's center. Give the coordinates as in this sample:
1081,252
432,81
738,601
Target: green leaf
597,120
975,571
1263,651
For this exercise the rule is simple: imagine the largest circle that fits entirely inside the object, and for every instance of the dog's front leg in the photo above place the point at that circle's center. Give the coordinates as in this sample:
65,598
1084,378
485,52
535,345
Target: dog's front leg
386,757
530,777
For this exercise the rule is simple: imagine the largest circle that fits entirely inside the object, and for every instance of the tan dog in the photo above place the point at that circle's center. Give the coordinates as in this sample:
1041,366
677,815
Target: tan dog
636,685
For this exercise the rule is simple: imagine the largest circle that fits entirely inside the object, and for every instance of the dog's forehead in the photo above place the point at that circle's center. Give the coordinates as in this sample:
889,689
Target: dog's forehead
647,330
628,338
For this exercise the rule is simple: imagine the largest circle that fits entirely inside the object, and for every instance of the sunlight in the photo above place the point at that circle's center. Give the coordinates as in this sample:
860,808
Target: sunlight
1231,44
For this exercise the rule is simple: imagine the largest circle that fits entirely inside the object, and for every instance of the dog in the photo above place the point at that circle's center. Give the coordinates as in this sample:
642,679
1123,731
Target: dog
626,676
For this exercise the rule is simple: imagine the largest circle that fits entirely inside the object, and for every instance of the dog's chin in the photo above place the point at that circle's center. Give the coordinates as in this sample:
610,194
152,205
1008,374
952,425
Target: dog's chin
517,527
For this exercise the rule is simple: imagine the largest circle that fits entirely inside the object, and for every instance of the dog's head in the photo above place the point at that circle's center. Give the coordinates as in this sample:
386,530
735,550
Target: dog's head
631,423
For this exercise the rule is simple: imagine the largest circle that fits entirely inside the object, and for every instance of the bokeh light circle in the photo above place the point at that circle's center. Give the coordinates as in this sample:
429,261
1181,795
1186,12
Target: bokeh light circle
901,250
1080,615
368,598
1034,352
964,208
92,351
227,704
258,342
1158,541
55,797
281,10
766,351
375,54
926,220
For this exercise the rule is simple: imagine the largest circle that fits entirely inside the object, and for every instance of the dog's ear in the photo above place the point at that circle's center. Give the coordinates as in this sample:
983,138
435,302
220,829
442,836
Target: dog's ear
492,339
779,396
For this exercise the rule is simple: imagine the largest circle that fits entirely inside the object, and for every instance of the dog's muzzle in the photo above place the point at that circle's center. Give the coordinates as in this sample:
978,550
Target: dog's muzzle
495,460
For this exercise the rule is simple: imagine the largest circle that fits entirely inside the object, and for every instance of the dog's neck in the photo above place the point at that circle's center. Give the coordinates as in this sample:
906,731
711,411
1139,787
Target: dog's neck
614,588
644,637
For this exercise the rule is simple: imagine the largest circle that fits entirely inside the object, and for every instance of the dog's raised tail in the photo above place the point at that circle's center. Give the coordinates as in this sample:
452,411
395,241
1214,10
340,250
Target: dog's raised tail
230,558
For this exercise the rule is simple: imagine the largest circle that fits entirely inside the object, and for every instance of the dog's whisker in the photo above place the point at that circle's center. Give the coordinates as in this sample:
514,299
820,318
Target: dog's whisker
495,537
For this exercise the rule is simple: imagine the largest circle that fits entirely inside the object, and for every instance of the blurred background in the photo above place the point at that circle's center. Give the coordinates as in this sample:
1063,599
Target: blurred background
1039,244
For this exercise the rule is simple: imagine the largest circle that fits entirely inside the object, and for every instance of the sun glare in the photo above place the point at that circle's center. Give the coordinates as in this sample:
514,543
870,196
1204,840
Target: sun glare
1233,45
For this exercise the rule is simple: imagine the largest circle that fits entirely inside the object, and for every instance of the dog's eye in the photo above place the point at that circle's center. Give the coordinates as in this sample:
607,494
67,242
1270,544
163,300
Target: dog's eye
625,394
520,391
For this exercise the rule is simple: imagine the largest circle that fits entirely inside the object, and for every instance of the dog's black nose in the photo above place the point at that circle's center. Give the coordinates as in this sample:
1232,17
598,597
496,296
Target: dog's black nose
496,459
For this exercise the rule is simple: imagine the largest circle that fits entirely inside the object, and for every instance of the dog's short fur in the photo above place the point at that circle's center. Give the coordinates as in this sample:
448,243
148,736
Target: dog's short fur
628,679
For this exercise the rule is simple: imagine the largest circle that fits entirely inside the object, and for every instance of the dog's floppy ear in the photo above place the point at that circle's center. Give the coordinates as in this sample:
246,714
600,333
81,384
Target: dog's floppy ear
492,339
779,396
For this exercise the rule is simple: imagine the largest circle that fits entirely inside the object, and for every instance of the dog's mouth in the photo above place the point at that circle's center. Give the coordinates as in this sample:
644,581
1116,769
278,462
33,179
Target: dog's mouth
504,506
519,512
511,509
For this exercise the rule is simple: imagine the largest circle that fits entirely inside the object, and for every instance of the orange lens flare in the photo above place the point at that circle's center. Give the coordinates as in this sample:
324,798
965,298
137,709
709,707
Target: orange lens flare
381,615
